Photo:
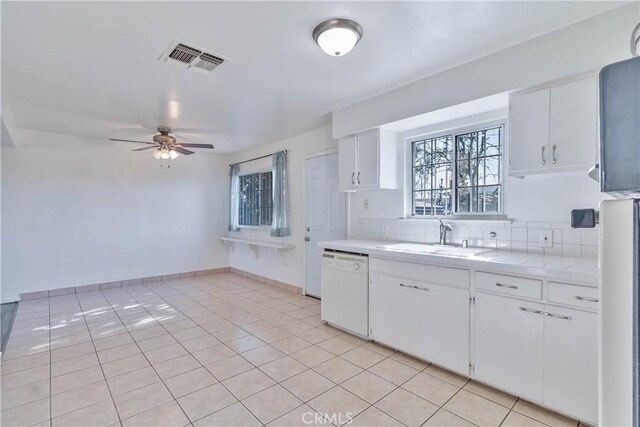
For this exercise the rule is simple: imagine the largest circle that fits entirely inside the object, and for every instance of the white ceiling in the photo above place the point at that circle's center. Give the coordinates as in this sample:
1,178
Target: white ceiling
92,69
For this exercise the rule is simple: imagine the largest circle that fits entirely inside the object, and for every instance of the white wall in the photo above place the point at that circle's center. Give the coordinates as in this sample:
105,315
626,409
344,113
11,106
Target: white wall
77,211
287,267
584,46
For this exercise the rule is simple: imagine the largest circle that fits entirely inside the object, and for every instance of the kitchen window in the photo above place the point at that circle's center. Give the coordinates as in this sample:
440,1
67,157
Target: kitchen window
256,199
458,173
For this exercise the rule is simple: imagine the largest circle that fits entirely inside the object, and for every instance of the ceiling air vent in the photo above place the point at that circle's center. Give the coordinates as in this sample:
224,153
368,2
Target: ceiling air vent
183,53
188,56
206,62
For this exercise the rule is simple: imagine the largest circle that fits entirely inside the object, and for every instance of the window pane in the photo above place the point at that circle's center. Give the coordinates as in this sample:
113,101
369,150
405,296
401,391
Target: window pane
422,179
432,175
256,201
493,142
490,199
418,154
464,200
442,149
442,175
492,171
442,202
479,170
421,202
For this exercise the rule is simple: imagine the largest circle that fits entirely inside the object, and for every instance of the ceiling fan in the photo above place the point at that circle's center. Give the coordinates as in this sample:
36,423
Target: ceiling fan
165,145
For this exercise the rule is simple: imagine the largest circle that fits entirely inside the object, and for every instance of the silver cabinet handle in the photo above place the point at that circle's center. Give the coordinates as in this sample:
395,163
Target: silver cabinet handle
531,310
502,285
307,239
358,178
544,161
405,286
578,297
553,154
353,178
422,289
557,316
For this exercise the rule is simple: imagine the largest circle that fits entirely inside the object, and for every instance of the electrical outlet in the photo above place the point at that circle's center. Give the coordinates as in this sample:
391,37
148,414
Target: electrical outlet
366,203
546,238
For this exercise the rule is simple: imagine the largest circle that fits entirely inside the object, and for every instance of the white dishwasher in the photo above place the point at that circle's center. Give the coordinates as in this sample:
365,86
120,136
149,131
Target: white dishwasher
345,291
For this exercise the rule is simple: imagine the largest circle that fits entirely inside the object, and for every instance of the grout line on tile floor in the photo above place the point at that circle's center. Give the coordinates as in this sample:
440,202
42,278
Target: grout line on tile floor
201,365
104,377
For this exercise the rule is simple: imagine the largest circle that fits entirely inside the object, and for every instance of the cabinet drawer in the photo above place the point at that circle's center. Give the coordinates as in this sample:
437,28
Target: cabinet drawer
579,296
424,273
509,285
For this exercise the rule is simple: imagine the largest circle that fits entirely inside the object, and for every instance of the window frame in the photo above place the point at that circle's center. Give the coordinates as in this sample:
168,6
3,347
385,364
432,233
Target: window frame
453,132
253,172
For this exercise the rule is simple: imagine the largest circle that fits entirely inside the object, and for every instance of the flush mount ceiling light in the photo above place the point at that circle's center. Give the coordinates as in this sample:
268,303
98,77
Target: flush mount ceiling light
337,36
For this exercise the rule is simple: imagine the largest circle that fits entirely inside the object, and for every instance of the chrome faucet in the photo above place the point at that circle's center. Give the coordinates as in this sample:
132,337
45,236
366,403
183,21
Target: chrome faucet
443,231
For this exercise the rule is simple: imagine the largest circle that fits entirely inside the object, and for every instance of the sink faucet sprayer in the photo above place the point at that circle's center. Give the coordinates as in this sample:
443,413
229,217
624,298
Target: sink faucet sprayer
443,231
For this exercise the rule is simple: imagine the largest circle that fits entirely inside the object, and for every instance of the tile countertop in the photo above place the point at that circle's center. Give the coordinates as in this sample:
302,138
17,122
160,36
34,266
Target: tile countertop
568,269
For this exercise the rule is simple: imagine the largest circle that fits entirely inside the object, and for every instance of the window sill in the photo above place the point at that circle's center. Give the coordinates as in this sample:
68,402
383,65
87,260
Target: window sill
255,227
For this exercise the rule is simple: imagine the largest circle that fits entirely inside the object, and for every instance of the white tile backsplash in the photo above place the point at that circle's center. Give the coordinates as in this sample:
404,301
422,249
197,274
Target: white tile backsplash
519,236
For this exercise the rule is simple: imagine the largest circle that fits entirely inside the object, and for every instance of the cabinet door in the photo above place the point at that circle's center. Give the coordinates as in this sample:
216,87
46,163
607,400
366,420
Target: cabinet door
367,163
391,311
442,326
529,132
508,344
347,163
573,124
571,362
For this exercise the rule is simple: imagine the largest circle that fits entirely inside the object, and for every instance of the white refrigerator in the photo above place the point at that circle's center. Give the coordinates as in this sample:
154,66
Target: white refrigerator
619,243
619,238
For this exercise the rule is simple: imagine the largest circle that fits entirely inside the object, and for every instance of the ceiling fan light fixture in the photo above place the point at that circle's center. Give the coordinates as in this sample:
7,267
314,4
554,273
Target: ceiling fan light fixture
156,153
173,154
337,36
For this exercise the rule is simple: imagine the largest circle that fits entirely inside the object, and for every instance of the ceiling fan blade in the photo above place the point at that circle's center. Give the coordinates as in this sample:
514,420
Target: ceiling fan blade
183,151
130,140
196,145
143,148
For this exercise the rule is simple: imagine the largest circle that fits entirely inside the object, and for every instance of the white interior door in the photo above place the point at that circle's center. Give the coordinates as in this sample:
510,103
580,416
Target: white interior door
325,214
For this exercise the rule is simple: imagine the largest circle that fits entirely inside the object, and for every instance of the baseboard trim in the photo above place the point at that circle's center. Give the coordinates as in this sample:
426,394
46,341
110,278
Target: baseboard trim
120,283
266,280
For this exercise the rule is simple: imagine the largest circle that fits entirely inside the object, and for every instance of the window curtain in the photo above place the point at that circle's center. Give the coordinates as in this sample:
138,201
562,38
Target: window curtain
280,220
234,197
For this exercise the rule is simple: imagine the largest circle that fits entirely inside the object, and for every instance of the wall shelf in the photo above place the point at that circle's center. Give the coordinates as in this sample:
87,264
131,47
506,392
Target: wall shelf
254,244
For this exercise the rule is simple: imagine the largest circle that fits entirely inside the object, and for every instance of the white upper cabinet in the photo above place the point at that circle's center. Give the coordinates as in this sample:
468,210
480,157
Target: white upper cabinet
346,163
574,124
529,125
554,129
368,161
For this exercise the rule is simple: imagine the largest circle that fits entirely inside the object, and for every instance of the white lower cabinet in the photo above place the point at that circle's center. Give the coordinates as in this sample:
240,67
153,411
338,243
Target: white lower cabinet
425,320
391,311
508,344
521,343
571,362
543,353
442,326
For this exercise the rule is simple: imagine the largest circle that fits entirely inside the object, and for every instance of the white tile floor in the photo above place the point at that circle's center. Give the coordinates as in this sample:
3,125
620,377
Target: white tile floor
224,350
